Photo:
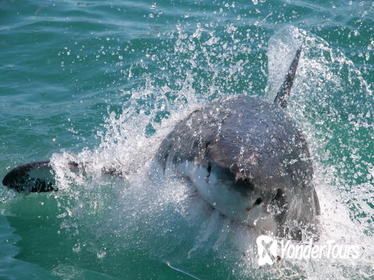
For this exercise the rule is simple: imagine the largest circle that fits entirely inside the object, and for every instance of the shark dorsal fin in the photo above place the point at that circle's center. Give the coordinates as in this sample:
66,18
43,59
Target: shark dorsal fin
285,88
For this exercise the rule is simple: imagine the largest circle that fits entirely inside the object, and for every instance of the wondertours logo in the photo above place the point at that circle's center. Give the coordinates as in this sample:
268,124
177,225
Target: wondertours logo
271,250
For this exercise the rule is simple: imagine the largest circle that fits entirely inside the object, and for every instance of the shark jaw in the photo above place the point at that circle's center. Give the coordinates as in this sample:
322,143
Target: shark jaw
234,200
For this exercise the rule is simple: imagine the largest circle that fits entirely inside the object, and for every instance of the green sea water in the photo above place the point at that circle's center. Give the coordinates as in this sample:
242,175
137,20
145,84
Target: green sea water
103,81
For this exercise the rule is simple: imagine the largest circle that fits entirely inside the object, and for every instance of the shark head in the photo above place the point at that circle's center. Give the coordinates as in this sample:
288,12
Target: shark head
248,160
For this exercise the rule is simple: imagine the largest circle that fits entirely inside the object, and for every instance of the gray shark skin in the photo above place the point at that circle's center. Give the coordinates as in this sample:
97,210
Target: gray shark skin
257,150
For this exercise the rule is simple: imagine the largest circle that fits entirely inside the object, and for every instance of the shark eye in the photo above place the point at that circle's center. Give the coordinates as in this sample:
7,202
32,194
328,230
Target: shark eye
258,201
209,168
278,195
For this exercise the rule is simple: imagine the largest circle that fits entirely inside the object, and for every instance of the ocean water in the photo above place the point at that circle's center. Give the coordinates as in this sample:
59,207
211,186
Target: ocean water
104,81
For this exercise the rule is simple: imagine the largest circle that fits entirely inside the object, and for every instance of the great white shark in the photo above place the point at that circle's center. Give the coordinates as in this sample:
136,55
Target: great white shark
244,156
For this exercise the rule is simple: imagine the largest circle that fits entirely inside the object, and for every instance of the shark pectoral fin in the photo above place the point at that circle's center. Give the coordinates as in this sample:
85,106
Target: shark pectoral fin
31,177
35,177
40,176
285,88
